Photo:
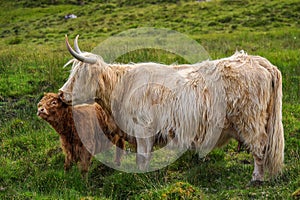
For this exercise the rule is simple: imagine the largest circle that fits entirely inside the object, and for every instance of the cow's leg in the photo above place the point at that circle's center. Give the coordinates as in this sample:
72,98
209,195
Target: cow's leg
253,134
257,141
143,156
258,173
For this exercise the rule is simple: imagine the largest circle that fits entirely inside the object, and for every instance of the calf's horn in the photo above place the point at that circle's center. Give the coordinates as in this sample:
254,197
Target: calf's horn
78,56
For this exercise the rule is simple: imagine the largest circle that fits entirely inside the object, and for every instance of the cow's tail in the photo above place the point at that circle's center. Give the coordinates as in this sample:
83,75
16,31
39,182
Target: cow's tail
274,154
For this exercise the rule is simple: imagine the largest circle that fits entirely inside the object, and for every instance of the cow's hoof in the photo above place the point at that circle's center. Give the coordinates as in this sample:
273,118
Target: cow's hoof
255,183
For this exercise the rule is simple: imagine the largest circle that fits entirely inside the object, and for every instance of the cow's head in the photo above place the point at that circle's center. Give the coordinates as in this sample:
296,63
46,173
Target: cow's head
83,82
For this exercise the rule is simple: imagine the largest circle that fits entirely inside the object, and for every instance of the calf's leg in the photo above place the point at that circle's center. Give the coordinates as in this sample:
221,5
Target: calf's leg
68,161
120,145
85,160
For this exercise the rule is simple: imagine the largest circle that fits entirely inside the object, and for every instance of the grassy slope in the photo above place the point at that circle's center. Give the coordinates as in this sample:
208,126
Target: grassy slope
32,54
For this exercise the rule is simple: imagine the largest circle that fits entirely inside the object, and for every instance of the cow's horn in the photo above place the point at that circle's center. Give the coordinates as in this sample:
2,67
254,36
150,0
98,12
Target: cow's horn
79,56
76,45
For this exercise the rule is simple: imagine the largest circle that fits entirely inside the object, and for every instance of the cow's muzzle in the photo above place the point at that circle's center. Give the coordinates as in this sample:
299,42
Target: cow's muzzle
65,97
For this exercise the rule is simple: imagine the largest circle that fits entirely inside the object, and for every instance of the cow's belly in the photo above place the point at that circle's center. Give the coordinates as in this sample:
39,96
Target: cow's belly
226,135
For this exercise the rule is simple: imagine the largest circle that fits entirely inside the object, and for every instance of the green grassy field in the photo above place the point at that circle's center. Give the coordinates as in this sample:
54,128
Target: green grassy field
32,55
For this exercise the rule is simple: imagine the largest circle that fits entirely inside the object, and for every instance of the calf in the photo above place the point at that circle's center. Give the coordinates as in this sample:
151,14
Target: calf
80,129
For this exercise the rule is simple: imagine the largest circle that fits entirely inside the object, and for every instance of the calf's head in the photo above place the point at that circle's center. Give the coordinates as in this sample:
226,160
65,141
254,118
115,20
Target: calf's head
50,107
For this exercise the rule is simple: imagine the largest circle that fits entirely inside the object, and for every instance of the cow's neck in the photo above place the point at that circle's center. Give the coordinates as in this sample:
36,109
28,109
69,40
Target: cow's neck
111,77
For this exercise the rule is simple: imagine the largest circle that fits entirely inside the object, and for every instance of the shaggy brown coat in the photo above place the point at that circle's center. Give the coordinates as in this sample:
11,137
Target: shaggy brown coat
80,129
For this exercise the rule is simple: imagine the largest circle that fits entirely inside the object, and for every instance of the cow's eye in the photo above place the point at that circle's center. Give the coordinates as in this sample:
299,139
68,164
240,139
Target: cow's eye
53,102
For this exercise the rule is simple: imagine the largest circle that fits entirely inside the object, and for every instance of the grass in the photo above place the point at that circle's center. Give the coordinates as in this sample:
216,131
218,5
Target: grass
32,53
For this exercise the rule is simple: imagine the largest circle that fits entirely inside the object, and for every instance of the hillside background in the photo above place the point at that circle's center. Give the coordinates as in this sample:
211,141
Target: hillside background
32,56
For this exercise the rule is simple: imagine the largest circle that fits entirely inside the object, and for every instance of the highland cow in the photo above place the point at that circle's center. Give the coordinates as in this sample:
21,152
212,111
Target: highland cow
202,105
